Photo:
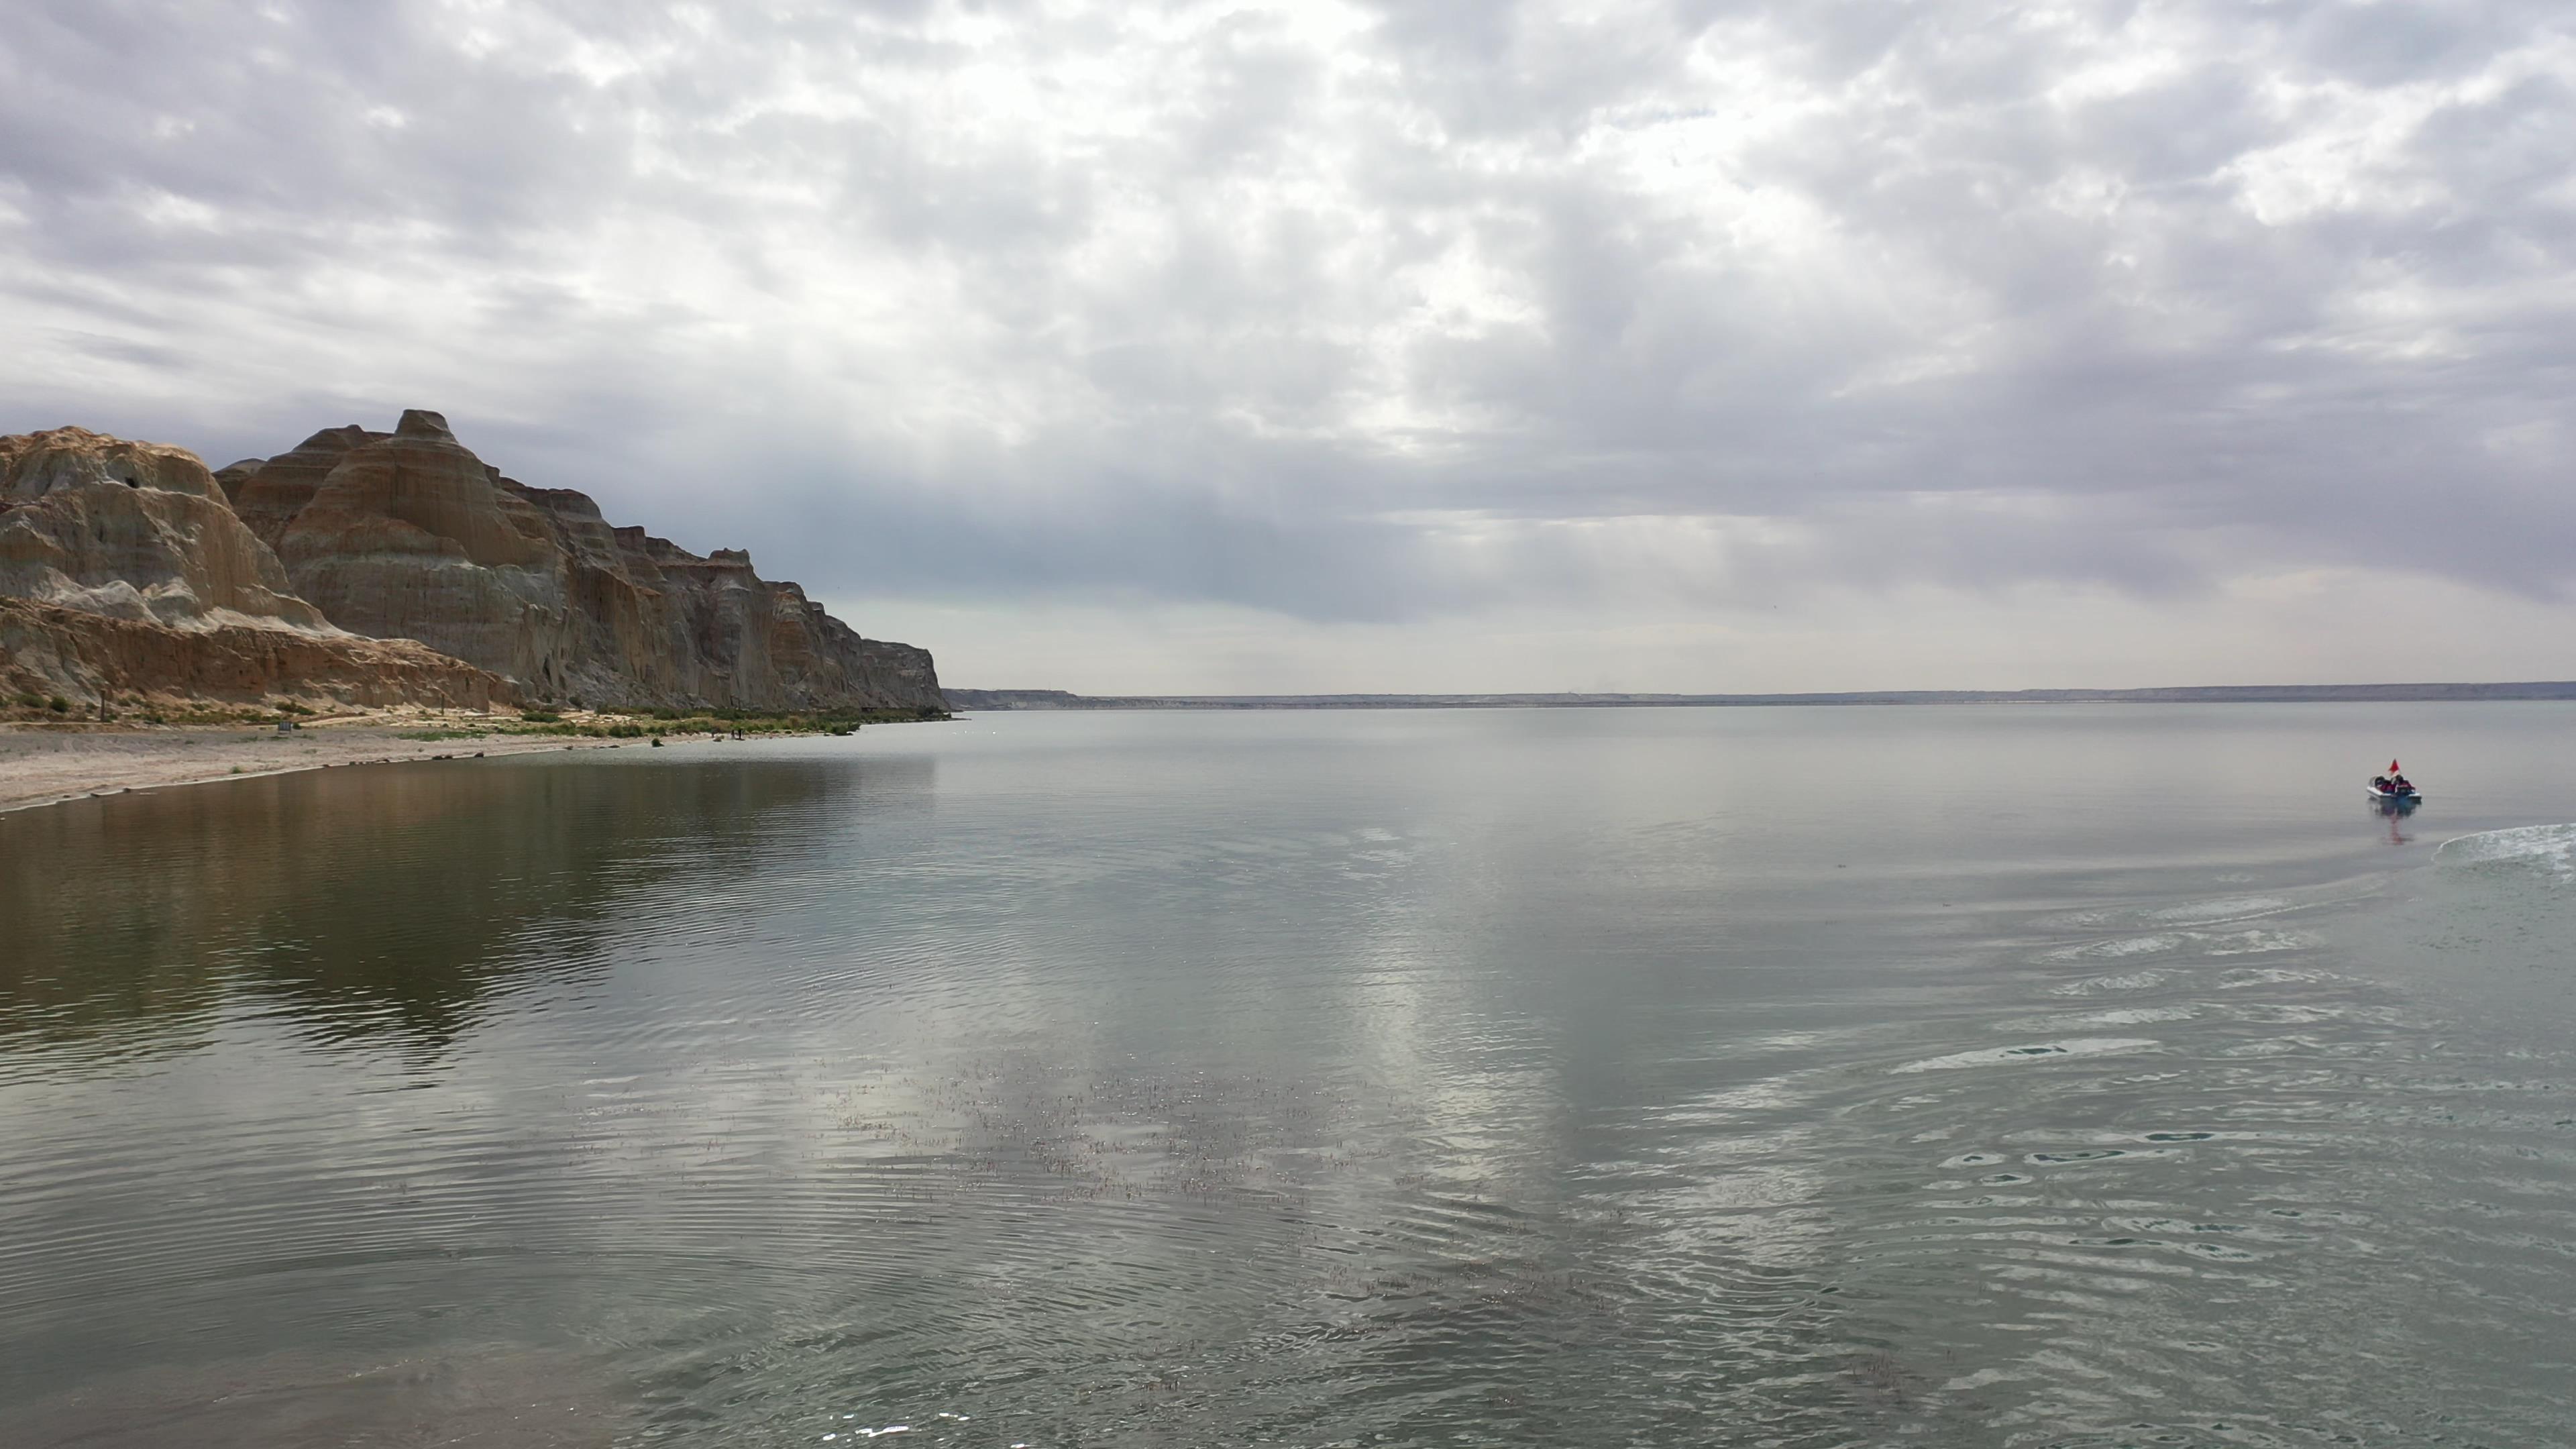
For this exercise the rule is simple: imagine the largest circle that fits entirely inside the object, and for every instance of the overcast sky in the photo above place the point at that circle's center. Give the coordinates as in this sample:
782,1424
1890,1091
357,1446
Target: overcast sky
1459,344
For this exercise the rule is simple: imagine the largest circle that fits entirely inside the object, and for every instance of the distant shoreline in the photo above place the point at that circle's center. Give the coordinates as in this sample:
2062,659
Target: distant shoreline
1056,699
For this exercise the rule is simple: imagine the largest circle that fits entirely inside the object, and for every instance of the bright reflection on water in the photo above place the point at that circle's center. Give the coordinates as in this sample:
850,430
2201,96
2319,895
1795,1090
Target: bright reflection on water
1803,1077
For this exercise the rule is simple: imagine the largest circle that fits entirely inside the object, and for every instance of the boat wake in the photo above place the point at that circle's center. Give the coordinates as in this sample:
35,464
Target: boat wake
2546,847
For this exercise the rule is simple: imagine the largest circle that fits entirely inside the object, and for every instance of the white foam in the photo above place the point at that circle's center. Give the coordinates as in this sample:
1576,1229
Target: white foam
2244,976
2134,1016
2132,981
2552,847
2031,1052
2116,948
2210,913
2257,943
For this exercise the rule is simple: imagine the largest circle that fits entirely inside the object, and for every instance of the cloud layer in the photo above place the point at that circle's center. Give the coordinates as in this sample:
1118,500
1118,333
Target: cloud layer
1319,323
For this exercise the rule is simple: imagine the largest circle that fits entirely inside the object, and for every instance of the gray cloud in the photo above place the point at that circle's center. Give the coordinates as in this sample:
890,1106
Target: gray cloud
1366,312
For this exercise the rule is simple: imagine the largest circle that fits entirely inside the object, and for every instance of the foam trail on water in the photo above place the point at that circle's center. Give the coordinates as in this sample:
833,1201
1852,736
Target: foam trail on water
2552,847
2036,1051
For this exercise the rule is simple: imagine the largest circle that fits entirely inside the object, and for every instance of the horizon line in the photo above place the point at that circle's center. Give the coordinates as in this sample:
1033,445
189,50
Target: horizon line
2417,691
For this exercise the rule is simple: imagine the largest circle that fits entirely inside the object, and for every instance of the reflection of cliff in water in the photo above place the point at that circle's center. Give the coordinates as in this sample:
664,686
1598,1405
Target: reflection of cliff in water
381,902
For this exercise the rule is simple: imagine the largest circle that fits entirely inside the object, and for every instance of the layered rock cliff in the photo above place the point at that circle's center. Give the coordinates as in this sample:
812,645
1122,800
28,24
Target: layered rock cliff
467,585
408,534
123,570
47,650
133,531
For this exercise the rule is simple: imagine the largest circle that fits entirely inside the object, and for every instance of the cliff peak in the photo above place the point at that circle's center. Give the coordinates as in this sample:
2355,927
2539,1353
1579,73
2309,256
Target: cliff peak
33,465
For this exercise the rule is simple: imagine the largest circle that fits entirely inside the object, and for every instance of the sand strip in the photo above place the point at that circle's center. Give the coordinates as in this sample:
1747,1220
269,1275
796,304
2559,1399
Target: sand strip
46,764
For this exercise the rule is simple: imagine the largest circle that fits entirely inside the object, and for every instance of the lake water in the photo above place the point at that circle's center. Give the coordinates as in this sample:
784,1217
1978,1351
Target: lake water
1940,1076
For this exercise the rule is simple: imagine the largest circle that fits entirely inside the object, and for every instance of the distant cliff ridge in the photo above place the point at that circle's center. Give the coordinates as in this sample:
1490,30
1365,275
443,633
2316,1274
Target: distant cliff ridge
1042,699
518,592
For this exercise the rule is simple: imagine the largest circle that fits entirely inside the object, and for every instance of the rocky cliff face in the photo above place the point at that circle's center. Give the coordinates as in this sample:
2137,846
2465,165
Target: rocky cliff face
125,570
133,531
86,658
409,535
288,481
468,586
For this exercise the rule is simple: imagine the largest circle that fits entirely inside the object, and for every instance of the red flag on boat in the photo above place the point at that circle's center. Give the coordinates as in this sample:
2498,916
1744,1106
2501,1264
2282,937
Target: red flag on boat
2392,767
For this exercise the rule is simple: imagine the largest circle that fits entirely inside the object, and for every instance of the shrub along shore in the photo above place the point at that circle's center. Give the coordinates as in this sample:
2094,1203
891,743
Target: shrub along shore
533,719
643,724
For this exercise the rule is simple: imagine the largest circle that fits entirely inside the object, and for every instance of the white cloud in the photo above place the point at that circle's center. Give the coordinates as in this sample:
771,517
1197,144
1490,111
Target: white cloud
1497,322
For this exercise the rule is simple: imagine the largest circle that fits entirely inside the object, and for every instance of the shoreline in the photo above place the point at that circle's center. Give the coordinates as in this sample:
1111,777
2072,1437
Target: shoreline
47,764
1036,701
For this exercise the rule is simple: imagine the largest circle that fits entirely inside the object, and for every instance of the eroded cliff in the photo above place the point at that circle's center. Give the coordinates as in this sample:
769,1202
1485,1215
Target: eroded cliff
47,650
125,571
408,534
467,586
133,531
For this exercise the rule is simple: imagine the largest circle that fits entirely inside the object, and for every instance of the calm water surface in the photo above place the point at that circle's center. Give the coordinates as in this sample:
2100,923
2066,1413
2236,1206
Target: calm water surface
1803,1077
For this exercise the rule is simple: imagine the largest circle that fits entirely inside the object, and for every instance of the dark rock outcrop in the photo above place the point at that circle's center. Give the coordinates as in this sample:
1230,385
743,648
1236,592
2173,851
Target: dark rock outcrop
409,535
269,493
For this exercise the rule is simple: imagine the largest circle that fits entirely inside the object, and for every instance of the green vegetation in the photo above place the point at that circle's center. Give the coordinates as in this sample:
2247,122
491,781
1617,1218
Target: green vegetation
212,717
664,722
534,719
801,719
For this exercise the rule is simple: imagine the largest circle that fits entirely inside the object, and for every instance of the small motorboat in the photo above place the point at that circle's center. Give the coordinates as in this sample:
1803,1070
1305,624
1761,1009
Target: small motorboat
2394,789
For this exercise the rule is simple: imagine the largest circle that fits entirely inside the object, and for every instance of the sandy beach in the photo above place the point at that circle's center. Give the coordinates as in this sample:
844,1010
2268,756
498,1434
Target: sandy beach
42,764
